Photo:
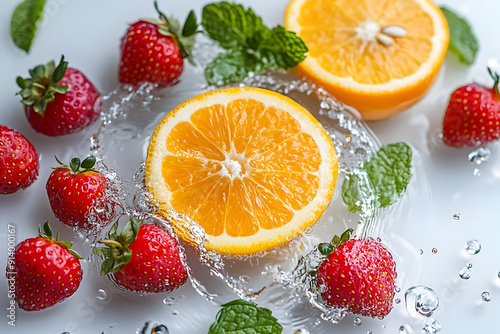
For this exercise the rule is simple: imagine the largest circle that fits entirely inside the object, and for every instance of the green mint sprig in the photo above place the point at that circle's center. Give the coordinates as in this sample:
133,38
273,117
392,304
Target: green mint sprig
239,316
388,172
463,42
250,45
24,23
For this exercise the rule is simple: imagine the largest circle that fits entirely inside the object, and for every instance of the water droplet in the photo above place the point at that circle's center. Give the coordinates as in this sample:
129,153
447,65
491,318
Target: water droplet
421,301
465,273
301,331
477,172
397,301
486,296
456,216
406,329
498,275
473,247
101,294
468,265
369,332
480,155
169,301
175,313
431,326
357,321
397,289
434,251
421,252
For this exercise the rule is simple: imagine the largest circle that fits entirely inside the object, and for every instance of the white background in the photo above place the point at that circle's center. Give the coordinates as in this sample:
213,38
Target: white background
88,34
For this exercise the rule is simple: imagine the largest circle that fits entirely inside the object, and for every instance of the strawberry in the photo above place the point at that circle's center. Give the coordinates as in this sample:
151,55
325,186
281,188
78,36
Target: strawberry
74,191
45,271
357,276
472,117
18,161
153,51
143,258
59,100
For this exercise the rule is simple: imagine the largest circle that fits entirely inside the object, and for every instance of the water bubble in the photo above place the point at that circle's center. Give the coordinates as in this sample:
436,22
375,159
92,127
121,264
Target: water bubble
434,251
101,294
468,265
357,321
456,216
301,331
472,247
421,301
406,329
169,301
480,155
465,273
431,326
486,296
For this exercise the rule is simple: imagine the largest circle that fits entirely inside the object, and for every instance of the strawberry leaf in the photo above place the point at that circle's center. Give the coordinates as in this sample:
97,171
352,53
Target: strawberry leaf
191,25
241,316
388,172
117,252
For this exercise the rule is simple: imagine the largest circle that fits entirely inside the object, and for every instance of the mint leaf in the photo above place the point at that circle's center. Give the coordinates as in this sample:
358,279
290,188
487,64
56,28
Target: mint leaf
242,317
232,66
251,45
283,49
231,25
463,42
24,23
388,173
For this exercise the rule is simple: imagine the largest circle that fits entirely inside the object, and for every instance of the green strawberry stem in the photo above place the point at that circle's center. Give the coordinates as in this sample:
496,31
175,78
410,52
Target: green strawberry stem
47,234
328,248
117,253
183,37
496,78
76,166
40,89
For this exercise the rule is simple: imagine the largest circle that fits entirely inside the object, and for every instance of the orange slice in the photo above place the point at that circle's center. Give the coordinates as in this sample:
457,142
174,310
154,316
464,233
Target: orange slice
379,56
251,166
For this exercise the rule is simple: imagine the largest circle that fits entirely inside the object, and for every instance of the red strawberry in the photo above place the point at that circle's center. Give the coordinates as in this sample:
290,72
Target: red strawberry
153,51
472,117
74,190
59,100
358,276
45,271
143,258
18,161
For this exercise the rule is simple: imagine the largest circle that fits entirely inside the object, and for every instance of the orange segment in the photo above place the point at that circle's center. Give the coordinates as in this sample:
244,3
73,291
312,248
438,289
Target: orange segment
379,56
251,166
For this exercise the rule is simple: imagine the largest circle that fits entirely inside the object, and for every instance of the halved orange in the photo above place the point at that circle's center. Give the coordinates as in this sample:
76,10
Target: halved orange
379,56
251,166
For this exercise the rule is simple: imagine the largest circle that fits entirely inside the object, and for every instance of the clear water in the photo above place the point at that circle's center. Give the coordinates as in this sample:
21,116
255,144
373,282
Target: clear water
421,301
281,279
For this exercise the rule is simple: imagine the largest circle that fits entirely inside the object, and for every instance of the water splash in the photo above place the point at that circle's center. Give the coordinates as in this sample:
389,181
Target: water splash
486,296
431,326
480,155
465,272
472,247
421,301
406,329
